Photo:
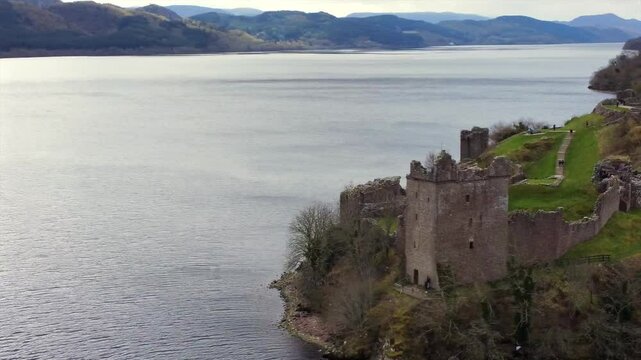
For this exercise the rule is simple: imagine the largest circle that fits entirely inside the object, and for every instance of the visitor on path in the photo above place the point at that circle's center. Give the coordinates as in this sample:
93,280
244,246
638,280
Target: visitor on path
428,284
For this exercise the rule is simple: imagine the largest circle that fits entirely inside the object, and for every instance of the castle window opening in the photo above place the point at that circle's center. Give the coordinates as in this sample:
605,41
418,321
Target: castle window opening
416,216
415,277
471,222
471,243
467,198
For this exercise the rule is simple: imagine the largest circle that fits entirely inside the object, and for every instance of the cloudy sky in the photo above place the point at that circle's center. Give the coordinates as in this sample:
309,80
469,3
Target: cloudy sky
543,9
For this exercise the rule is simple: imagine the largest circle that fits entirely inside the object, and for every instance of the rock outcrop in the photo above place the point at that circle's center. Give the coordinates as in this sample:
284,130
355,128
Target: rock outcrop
629,180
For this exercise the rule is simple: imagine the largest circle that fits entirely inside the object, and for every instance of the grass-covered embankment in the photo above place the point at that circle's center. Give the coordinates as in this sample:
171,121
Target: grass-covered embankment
537,153
576,194
616,108
620,238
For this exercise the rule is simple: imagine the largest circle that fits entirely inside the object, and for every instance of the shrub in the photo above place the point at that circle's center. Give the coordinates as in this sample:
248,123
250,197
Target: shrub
501,131
622,139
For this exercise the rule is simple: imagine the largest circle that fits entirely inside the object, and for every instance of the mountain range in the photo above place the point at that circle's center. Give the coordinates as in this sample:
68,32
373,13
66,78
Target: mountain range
608,21
41,27
389,31
430,17
187,11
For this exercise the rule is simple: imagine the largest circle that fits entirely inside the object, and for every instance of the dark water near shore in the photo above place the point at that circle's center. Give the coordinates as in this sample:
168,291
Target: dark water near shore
144,201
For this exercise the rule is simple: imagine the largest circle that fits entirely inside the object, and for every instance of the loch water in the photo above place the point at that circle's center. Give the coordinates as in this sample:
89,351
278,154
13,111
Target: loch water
144,201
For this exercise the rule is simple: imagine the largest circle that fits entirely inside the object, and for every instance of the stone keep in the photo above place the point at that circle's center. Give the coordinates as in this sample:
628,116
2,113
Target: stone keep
456,221
474,143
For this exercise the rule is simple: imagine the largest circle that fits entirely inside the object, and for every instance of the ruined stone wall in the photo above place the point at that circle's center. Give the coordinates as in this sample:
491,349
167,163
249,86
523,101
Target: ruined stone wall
544,236
378,198
474,143
534,236
608,203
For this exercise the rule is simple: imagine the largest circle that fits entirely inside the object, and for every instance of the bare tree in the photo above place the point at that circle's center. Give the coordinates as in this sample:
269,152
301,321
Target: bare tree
308,235
430,160
353,301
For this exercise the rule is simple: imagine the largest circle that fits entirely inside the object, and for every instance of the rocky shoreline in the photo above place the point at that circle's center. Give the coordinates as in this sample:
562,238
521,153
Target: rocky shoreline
300,323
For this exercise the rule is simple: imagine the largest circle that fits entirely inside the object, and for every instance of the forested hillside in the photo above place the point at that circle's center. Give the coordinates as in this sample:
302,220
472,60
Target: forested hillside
90,26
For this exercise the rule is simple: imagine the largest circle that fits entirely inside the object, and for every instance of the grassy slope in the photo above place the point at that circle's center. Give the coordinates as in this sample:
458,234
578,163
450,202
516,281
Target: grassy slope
620,238
541,168
576,194
616,108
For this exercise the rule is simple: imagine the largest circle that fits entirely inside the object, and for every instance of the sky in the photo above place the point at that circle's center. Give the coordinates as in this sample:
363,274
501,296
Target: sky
542,9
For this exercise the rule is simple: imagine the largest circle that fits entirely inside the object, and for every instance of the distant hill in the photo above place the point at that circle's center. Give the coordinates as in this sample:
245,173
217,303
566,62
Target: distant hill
191,10
605,21
322,30
46,26
430,17
526,30
161,11
88,26
42,3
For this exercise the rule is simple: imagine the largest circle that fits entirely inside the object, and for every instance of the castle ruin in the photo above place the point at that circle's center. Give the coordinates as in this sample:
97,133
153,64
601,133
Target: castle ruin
454,220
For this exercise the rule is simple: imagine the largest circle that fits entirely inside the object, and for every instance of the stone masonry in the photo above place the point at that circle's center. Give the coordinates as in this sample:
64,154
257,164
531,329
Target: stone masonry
456,218
378,198
474,143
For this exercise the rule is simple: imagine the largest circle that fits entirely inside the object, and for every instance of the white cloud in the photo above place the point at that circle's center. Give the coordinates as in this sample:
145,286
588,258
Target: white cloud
543,9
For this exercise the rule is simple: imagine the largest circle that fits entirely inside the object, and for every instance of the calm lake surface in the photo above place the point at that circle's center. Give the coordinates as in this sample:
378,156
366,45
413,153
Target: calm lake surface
144,201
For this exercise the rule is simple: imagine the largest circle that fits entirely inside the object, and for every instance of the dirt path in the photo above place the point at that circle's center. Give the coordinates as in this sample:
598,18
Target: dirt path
560,158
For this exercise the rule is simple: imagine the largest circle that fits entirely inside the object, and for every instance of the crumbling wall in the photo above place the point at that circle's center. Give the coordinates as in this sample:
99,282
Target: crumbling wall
544,236
534,237
474,143
629,184
607,204
377,198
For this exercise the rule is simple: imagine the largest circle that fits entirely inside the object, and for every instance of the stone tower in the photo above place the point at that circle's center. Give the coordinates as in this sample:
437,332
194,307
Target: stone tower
474,143
456,221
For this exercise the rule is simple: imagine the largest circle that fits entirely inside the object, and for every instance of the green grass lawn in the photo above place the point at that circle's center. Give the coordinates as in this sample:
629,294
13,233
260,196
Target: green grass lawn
542,167
616,108
620,238
576,194
547,182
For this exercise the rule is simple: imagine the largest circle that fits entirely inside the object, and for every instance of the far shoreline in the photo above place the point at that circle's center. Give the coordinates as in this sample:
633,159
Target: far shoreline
44,53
